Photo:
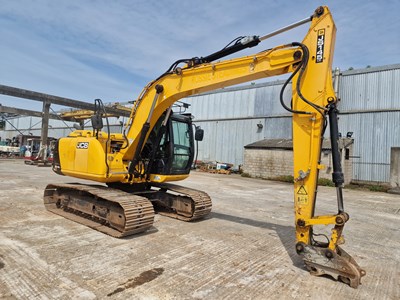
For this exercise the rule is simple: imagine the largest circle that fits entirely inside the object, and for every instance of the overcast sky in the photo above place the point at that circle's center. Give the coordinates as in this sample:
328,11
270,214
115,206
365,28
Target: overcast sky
110,49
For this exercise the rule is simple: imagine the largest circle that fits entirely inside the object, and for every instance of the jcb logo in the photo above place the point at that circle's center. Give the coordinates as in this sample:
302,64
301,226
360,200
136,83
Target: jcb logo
320,46
82,145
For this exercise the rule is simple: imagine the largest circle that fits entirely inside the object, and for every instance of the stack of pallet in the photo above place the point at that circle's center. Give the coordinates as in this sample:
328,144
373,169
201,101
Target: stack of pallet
214,167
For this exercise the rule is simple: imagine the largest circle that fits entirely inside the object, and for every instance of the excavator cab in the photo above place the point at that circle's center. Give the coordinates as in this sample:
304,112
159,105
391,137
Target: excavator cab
170,147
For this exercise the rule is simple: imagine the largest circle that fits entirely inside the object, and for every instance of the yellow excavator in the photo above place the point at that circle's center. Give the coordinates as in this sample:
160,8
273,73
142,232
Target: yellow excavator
157,146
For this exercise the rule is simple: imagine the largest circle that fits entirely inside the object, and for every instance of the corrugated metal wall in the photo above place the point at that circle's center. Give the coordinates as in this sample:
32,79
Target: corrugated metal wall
370,108
370,89
231,118
224,140
257,100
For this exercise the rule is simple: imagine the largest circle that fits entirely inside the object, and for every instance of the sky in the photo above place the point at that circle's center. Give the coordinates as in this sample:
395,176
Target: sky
111,49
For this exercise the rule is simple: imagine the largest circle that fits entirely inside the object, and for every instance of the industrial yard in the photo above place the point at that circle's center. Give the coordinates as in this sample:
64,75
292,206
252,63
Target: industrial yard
245,249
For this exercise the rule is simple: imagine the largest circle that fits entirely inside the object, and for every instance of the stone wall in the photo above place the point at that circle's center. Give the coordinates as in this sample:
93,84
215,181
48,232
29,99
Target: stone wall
268,163
272,163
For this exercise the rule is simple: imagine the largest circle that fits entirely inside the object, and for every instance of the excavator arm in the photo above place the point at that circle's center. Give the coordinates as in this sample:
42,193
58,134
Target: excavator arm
313,103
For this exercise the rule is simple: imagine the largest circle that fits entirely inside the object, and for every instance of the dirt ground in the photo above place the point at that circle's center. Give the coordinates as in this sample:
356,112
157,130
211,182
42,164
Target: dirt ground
243,250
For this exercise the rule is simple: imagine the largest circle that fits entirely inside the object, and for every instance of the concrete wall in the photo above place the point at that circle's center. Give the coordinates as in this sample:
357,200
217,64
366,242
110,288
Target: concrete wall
271,163
395,167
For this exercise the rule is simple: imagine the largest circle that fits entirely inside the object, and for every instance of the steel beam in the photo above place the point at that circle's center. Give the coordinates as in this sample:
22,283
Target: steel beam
25,112
36,96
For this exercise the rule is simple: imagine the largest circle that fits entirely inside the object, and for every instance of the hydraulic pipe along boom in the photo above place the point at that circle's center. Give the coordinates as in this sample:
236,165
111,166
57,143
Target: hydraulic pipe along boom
286,28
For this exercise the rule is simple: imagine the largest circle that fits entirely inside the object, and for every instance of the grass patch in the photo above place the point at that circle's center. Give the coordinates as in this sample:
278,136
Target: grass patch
325,182
290,179
369,187
283,178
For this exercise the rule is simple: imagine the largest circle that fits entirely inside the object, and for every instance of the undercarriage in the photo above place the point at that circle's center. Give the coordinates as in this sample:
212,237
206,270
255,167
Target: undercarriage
124,212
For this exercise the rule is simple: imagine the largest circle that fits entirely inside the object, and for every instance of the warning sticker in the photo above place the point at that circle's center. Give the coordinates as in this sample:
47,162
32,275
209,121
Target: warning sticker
302,191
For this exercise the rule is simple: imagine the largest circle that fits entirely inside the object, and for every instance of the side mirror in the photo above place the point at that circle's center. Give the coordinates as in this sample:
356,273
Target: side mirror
77,126
97,121
199,134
